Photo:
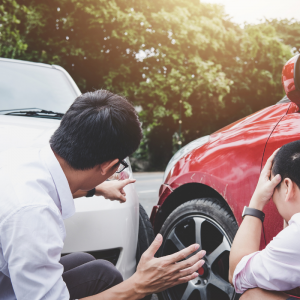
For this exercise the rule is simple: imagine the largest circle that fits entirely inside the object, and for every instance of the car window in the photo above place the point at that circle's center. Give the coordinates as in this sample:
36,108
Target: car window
29,86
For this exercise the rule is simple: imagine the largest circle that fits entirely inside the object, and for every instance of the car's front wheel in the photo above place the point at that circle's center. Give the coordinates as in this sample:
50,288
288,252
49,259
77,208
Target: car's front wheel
210,223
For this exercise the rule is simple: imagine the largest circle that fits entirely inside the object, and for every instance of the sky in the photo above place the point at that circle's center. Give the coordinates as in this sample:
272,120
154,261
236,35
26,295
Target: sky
251,11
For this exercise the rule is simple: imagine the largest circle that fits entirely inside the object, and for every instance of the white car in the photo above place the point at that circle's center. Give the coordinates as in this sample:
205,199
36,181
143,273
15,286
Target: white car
33,99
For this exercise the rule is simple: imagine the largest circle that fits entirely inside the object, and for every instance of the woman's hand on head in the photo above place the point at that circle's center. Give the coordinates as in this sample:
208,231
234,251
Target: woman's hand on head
265,186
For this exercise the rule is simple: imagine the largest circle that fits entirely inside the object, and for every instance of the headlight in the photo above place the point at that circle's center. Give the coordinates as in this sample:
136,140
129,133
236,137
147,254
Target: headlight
183,151
127,173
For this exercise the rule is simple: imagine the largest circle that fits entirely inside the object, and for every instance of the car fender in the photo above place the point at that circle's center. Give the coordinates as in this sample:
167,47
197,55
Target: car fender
230,163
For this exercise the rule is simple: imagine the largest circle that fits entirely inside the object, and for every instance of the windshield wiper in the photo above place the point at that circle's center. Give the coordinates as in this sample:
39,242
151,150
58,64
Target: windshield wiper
40,113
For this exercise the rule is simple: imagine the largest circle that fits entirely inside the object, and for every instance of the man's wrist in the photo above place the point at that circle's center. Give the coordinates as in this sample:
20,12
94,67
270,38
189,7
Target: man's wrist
137,286
98,191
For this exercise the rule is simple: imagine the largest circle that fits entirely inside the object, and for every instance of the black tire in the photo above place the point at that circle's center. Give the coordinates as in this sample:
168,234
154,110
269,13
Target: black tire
145,238
209,222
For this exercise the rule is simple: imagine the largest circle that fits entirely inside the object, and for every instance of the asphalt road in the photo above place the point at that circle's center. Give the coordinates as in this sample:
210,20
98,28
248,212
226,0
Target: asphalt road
147,186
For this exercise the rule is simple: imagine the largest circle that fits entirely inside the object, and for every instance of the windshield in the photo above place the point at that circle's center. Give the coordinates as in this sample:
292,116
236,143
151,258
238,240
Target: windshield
29,86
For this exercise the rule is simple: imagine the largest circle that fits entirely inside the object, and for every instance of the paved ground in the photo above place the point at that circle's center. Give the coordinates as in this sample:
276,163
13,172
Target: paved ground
147,185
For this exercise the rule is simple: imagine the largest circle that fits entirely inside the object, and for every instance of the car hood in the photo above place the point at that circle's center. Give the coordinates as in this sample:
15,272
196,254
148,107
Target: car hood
251,128
23,132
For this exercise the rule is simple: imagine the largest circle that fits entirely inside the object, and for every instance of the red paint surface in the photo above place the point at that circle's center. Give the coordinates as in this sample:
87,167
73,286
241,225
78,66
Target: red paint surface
288,80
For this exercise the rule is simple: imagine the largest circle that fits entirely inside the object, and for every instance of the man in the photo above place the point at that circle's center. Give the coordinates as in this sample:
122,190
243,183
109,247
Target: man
265,274
96,134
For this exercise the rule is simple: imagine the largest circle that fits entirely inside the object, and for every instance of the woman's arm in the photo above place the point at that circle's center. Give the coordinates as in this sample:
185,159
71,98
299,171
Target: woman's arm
247,239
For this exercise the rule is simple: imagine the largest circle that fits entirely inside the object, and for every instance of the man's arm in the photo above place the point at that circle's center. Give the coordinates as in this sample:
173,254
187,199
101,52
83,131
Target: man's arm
112,190
156,274
247,239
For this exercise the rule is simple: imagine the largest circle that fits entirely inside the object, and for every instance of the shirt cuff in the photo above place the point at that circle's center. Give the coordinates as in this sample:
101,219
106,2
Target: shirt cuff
239,279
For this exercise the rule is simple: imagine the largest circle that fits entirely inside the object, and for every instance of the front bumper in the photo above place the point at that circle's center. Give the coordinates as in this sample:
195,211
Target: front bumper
101,224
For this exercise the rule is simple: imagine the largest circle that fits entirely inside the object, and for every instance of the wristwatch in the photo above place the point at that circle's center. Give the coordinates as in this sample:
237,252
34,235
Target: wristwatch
253,212
91,193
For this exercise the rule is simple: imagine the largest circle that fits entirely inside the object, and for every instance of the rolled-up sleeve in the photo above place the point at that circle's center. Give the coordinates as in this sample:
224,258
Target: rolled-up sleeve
32,240
275,268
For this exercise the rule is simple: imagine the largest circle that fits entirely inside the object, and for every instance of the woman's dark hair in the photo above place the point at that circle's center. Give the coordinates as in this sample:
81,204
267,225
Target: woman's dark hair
287,162
99,126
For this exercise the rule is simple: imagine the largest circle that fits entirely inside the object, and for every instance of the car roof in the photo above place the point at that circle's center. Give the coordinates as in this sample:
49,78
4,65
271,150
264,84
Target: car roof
26,62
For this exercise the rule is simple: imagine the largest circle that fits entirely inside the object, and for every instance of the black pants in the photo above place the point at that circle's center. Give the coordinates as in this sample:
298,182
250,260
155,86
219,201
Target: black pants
85,276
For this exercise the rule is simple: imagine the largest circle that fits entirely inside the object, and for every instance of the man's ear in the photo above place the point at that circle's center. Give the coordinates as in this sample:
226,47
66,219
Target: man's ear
289,187
106,167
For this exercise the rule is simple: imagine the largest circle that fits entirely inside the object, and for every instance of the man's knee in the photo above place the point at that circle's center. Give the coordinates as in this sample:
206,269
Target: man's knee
110,272
83,257
75,259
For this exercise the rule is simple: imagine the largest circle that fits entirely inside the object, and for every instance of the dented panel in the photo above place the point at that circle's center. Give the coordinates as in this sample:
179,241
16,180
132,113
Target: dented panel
230,162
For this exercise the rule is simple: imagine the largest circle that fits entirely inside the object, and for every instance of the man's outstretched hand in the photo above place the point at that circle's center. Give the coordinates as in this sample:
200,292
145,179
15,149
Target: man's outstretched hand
113,190
265,186
154,275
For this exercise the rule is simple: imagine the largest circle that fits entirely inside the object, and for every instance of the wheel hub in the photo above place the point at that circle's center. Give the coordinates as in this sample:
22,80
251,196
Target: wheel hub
204,271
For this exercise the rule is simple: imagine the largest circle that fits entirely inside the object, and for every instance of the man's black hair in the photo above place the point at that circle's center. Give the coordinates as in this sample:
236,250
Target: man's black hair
287,162
99,126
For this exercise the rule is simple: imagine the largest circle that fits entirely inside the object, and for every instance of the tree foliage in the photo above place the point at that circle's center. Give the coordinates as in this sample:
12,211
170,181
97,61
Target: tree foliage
11,42
288,32
175,60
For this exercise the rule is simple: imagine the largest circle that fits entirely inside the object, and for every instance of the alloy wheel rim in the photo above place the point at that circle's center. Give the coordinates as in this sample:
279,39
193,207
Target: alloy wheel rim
210,281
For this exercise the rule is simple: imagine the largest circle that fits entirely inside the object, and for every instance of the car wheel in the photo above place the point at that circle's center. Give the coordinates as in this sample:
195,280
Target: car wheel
145,238
210,223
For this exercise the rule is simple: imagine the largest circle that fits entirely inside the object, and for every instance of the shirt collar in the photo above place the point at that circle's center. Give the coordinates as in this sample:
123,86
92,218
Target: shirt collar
61,183
294,217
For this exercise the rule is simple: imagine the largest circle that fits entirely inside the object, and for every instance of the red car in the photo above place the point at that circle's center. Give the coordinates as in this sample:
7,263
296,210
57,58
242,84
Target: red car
208,182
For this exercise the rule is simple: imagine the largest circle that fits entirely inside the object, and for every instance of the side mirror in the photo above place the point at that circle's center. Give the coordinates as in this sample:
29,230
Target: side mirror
291,79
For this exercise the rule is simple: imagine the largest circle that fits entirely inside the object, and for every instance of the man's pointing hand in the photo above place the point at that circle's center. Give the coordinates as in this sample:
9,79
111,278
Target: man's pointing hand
113,190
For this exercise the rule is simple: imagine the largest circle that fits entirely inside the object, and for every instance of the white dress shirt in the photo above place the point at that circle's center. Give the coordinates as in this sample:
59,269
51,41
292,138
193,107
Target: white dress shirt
34,199
277,267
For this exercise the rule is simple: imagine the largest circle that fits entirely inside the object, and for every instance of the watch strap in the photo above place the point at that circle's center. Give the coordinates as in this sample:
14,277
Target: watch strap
91,193
248,211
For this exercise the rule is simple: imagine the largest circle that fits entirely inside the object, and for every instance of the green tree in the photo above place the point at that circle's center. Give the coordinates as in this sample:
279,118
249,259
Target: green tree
166,56
288,32
256,72
11,42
